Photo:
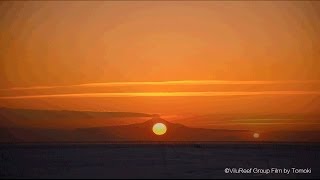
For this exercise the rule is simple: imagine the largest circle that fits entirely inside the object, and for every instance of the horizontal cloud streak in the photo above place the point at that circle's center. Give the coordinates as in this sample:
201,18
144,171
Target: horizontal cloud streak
182,82
166,94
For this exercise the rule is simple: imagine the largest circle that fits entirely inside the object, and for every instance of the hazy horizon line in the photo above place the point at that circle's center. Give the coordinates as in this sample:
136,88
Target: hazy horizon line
166,94
174,82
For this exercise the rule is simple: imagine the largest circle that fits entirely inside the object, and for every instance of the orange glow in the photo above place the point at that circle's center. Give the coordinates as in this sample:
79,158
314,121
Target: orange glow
205,64
256,135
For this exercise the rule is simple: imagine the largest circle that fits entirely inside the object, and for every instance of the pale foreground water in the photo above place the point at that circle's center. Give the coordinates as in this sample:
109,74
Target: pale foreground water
205,160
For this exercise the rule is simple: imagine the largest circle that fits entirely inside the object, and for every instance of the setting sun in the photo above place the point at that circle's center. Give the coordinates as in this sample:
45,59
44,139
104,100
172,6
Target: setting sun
159,129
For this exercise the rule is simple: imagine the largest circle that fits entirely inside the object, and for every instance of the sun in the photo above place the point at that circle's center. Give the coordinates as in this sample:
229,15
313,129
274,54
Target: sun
159,129
256,135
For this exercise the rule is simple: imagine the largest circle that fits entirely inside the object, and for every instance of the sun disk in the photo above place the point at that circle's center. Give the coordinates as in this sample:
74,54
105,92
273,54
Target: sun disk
159,129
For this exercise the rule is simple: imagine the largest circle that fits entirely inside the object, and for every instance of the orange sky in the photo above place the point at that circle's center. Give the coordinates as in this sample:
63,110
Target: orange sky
172,58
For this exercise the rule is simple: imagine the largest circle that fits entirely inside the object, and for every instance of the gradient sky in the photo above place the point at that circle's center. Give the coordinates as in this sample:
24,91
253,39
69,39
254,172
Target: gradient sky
161,57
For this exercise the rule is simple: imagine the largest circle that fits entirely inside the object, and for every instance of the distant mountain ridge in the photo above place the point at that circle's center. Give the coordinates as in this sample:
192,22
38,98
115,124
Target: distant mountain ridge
37,113
32,118
133,132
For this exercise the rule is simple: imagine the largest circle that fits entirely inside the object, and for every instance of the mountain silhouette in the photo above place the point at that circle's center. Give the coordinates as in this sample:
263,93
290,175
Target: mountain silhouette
7,114
143,132
26,125
133,132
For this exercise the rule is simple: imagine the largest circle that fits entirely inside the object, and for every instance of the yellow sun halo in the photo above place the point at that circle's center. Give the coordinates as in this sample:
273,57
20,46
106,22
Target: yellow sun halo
159,129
